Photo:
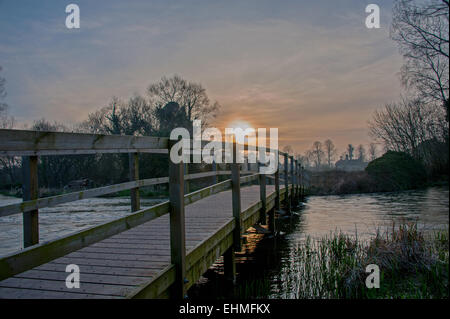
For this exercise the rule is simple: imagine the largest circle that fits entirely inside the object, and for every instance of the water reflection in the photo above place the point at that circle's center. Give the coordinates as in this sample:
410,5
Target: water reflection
63,219
269,270
265,267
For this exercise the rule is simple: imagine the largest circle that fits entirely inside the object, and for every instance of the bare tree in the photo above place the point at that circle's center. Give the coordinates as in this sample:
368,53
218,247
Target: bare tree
309,158
6,121
404,126
361,153
372,151
136,117
350,150
421,29
317,154
330,151
303,160
8,164
189,95
288,149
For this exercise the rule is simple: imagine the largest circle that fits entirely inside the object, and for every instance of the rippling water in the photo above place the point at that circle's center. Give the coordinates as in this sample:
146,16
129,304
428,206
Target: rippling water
263,261
363,213
269,262
63,219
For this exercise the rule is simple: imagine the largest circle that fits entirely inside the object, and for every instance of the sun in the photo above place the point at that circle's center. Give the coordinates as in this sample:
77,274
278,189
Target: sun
239,124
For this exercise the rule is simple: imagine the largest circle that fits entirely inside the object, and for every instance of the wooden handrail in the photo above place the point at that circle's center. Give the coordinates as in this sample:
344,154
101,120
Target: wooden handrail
50,201
25,143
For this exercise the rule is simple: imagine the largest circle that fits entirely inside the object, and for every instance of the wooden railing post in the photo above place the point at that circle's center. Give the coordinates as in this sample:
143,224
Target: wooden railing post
297,180
214,169
292,182
30,190
177,226
186,182
262,196
134,176
236,195
302,185
277,188
287,200
272,227
229,264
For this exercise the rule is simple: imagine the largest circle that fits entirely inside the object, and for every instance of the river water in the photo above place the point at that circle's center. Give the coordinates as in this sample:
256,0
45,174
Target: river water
63,219
265,267
264,261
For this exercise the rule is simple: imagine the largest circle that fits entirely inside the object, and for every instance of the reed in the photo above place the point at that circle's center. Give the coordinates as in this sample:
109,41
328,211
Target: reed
412,265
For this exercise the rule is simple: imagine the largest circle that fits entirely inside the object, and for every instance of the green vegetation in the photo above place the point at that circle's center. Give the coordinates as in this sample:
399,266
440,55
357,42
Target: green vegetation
396,171
411,264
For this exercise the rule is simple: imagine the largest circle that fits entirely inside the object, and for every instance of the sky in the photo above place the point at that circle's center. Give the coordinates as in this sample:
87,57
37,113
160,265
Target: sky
309,68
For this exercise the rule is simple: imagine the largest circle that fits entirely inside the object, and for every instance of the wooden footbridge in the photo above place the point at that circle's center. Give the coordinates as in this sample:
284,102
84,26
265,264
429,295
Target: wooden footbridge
155,252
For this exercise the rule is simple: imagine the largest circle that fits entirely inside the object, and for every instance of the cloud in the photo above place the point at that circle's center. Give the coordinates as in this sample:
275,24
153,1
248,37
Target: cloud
311,69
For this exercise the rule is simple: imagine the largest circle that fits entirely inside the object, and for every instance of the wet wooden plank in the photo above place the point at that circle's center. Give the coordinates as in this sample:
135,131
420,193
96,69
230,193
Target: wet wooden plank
116,271
127,251
19,293
87,288
61,276
119,257
112,263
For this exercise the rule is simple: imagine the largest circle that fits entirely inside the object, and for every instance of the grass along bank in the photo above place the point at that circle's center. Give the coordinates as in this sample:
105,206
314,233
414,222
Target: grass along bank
412,265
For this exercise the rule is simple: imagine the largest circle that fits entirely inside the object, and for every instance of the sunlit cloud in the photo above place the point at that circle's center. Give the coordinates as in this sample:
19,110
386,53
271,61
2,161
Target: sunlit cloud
310,69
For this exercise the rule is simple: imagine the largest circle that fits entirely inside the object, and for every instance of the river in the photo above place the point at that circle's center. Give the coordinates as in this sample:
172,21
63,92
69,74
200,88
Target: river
265,261
63,219
265,265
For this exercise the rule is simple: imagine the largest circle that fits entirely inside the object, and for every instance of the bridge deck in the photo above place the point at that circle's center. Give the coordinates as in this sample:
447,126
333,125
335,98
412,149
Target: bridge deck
117,266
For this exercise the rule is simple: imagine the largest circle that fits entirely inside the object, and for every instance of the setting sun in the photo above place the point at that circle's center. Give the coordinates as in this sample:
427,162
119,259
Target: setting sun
239,124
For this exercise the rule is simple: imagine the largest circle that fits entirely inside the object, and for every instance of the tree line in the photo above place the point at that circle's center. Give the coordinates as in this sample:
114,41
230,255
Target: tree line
323,155
169,103
418,124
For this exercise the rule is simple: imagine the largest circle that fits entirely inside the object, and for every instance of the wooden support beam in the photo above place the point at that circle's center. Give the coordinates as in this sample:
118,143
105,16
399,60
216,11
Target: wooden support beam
272,227
292,182
186,182
262,197
287,201
277,189
236,197
177,226
302,188
214,169
134,176
297,179
229,265
30,192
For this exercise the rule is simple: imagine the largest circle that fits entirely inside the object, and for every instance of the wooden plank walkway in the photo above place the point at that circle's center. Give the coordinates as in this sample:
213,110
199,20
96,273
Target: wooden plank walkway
123,265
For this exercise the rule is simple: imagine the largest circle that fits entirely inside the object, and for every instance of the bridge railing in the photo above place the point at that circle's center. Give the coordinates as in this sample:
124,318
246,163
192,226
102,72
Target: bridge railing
31,144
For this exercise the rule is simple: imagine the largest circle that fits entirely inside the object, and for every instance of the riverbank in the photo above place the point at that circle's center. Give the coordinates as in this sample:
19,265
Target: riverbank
267,267
411,265
335,182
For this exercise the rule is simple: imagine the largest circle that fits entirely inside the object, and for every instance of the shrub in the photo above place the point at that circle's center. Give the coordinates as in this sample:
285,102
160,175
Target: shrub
396,171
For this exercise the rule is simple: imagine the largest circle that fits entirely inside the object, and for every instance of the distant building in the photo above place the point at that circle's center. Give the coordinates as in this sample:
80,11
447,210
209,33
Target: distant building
350,165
